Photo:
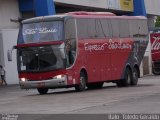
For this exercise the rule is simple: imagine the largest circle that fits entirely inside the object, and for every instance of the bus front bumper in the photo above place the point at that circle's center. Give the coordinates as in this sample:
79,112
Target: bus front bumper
51,83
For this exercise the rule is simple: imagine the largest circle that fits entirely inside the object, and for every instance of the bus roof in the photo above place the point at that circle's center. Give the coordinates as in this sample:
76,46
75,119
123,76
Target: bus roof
83,14
45,18
92,13
80,14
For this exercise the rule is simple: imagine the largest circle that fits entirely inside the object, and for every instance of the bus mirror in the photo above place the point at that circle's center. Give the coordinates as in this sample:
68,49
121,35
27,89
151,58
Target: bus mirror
9,55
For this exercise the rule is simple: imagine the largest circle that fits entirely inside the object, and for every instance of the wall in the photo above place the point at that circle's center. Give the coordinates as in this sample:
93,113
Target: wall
8,39
123,5
8,10
36,7
148,56
1,50
88,3
103,4
152,7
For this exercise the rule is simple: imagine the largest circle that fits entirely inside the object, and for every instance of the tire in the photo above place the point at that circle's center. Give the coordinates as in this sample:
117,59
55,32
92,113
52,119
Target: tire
134,80
95,85
42,91
127,79
154,72
155,69
82,85
119,83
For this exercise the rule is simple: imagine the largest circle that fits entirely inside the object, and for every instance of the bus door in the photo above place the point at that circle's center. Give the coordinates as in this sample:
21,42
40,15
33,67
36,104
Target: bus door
71,50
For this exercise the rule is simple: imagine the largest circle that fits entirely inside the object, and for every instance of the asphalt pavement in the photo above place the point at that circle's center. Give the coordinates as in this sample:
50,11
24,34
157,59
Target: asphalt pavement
141,99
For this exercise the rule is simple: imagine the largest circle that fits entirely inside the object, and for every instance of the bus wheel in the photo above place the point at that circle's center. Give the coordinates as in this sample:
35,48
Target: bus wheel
127,79
42,91
134,80
155,72
82,85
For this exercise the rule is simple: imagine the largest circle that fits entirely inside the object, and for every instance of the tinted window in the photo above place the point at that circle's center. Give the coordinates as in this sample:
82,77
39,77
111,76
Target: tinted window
115,28
99,29
133,28
44,58
138,28
124,28
93,28
105,23
82,28
143,27
70,32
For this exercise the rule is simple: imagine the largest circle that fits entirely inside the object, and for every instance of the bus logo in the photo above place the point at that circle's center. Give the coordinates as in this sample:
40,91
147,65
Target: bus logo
156,43
111,45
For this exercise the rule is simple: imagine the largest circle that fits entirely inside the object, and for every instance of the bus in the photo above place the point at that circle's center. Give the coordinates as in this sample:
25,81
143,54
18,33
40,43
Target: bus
81,50
155,50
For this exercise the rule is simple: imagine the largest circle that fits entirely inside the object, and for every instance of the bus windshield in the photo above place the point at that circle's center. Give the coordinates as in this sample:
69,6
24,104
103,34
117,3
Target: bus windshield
40,59
41,32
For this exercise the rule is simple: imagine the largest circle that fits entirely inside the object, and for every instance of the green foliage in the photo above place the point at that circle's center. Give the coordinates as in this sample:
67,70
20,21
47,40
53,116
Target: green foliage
157,24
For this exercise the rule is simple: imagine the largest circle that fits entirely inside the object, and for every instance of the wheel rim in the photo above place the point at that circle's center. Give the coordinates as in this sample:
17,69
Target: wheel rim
82,82
129,78
135,75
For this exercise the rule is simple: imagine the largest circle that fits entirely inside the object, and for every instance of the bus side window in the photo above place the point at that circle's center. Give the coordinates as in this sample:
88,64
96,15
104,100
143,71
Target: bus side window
102,28
70,41
91,28
82,28
105,24
115,28
99,29
124,28
143,29
133,28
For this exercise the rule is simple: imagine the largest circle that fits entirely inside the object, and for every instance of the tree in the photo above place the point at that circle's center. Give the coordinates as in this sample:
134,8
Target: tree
157,24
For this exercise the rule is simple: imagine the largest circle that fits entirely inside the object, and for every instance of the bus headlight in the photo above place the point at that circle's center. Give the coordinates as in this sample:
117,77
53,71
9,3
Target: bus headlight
59,77
23,79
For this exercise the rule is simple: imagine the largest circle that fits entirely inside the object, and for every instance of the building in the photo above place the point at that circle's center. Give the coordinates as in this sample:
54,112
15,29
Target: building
12,11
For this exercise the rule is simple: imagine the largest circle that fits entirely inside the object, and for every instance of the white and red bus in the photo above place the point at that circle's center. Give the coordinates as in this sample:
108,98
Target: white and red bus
155,50
80,49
